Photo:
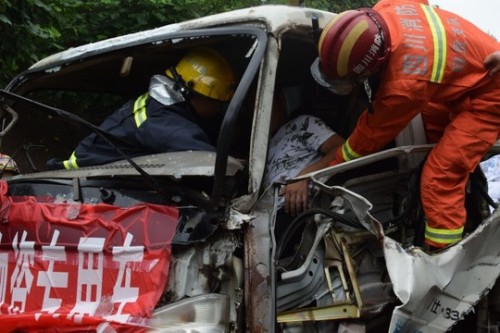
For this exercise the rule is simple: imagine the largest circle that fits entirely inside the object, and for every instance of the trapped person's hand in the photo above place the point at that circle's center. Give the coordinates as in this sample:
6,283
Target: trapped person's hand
296,195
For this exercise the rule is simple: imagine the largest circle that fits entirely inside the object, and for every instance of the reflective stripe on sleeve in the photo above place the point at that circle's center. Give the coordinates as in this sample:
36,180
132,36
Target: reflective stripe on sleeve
443,236
71,162
347,152
140,115
439,41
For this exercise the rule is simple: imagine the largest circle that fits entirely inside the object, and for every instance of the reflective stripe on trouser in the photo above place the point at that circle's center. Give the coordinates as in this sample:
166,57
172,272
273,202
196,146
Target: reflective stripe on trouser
446,172
71,162
140,115
443,236
347,153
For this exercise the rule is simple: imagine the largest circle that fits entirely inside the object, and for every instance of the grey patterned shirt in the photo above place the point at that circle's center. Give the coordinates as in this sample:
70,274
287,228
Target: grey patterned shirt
294,147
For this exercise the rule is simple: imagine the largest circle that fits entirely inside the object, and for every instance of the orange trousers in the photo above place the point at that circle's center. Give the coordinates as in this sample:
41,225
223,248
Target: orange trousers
474,127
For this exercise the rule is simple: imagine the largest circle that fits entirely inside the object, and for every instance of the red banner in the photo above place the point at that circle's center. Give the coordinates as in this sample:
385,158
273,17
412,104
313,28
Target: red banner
66,265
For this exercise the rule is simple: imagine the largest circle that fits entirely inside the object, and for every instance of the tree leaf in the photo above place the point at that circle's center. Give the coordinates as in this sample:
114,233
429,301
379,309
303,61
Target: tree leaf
5,19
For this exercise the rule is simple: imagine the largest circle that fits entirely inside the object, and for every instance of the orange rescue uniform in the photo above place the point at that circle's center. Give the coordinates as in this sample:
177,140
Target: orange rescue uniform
435,65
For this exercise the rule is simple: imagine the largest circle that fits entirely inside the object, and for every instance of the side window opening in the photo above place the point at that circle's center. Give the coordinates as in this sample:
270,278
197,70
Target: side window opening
39,135
301,95
94,88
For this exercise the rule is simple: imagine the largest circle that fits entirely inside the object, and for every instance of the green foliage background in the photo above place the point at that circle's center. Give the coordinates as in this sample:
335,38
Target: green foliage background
33,29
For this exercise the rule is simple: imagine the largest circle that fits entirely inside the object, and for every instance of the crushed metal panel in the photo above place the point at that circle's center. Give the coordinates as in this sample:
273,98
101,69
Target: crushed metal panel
176,164
437,291
324,174
237,219
455,279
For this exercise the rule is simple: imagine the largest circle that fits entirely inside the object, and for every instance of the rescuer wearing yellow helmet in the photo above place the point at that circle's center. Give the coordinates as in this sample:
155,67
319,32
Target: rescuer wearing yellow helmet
169,117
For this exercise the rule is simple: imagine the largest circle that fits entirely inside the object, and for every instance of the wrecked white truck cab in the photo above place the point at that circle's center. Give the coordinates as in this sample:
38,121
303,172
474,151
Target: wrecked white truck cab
186,241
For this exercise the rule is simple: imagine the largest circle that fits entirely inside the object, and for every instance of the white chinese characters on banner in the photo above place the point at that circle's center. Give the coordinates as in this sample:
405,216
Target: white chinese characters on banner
123,291
51,279
19,280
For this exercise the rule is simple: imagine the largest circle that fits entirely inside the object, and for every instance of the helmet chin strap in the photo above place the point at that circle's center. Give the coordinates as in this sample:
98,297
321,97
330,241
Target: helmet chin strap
384,47
369,94
179,84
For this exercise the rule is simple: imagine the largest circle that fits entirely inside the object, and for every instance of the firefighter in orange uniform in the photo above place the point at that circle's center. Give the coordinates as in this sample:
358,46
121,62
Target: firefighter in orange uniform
425,59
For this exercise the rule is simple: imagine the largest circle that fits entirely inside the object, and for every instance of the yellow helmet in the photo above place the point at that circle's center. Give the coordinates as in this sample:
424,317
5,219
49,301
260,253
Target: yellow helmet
207,72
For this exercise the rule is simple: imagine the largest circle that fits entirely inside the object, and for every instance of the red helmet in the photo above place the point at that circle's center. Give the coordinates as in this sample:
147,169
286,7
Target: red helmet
353,45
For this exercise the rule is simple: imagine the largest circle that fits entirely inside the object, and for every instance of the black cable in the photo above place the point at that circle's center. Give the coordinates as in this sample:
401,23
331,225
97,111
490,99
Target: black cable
483,192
